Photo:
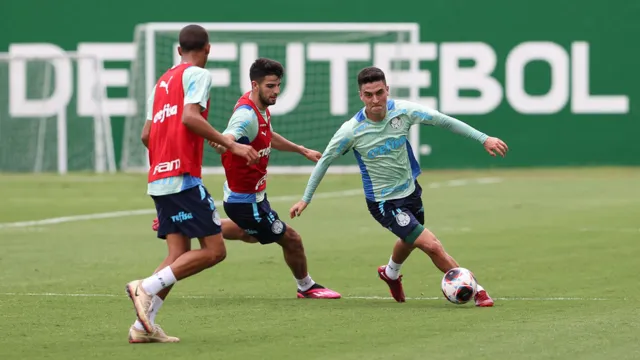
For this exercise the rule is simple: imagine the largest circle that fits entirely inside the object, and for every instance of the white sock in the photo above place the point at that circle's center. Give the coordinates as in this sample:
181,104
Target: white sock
138,325
306,283
156,304
392,270
158,281
479,288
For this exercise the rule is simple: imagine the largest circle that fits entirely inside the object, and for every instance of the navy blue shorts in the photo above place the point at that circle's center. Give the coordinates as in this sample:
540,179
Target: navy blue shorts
400,216
190,212
257,220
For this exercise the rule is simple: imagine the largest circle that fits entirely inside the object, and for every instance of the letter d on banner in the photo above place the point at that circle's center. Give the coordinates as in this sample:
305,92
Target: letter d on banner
19,104
57,82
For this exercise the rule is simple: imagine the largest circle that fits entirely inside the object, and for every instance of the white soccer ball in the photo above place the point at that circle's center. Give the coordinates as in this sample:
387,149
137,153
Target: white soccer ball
459,285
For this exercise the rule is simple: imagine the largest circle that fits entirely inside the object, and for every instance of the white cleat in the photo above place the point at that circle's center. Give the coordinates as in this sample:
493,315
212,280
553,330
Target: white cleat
157,336
141,302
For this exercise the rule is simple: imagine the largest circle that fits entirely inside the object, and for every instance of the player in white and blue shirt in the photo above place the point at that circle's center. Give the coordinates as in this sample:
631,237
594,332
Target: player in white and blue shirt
378,137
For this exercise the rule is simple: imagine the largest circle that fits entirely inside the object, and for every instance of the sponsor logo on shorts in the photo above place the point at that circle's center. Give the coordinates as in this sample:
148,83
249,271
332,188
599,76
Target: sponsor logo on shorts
181,216
277,227
403,219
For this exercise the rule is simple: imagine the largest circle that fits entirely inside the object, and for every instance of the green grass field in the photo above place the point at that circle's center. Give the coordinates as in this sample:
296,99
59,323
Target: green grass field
556,248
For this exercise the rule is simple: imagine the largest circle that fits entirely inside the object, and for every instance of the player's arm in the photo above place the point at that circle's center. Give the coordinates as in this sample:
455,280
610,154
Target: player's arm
281,143
424,115
339,145
195,101
146,129
242,127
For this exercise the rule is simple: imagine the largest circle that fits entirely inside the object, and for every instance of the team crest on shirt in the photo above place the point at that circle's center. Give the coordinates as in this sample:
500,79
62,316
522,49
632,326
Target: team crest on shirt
216,218
277,227
403,219
397,122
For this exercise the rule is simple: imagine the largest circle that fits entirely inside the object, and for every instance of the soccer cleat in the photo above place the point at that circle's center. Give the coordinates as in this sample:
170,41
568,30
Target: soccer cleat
157,336
395,286
483,299
141,302
155,224
318,291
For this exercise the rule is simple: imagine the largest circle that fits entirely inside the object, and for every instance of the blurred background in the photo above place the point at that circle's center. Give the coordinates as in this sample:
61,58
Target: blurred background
551,231
548,77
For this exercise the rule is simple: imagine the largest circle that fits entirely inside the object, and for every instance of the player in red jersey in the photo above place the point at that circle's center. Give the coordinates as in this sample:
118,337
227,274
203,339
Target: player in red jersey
245,198
174,133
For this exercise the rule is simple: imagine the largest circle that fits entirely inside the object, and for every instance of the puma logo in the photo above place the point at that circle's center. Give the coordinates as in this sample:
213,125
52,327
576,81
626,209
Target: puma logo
165,85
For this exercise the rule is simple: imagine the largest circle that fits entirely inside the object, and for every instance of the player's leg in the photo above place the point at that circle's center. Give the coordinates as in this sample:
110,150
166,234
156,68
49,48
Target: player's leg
195,216
409,226
270,229
231,231
431,245
177,245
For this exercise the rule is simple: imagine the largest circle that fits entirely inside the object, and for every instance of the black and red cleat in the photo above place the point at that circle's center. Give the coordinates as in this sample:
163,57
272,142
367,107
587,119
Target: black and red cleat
318,291
395,286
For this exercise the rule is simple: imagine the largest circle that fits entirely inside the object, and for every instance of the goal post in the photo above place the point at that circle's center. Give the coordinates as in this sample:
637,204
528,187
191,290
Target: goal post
319,90
41,128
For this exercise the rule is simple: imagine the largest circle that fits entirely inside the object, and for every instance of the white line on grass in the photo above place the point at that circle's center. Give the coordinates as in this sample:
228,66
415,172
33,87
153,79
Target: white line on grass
345,297
126,213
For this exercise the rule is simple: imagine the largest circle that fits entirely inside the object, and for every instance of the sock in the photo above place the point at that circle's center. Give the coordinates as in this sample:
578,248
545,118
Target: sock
158,281
138,325
392,270
479,288
156,304
306,283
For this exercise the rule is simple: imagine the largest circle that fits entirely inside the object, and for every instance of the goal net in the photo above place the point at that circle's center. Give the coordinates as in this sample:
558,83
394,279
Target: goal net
41,128
319,90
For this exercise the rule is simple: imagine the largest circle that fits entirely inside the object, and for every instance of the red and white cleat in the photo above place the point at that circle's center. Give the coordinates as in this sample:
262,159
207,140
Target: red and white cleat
395,286
483,299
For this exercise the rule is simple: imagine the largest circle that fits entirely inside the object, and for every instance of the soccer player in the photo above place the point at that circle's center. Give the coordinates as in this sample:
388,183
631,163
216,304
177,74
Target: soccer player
174,133
377,134
245,198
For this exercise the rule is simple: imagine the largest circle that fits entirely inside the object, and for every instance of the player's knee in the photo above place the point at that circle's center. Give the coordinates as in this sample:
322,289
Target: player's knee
429,243
292,241
214,257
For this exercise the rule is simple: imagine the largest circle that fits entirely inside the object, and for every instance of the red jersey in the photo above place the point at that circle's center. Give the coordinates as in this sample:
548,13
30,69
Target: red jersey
243,178
173,149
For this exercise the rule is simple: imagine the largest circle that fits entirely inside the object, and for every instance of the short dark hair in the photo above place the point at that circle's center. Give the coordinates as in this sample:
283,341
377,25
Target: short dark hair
263,67
370,74
193,38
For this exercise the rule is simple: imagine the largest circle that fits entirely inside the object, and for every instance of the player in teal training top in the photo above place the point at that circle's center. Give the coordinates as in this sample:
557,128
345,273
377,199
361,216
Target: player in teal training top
377,135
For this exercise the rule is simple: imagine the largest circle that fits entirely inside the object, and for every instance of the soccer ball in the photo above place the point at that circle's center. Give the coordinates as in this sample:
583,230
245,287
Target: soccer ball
459,285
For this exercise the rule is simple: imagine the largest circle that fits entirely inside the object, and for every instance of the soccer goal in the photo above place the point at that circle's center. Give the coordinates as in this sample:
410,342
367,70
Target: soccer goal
319,88
41,128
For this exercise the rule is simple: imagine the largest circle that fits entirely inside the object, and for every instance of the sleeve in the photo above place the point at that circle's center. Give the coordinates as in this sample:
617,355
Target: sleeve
196,82
420,114
243,123
150,104
340,144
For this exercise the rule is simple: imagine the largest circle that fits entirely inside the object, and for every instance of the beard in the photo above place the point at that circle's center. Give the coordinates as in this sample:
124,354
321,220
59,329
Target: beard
265,100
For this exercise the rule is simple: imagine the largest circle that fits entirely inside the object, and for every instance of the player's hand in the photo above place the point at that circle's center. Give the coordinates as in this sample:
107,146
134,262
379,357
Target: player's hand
217,147
155,224
494,145
297,209
245,151
311,154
